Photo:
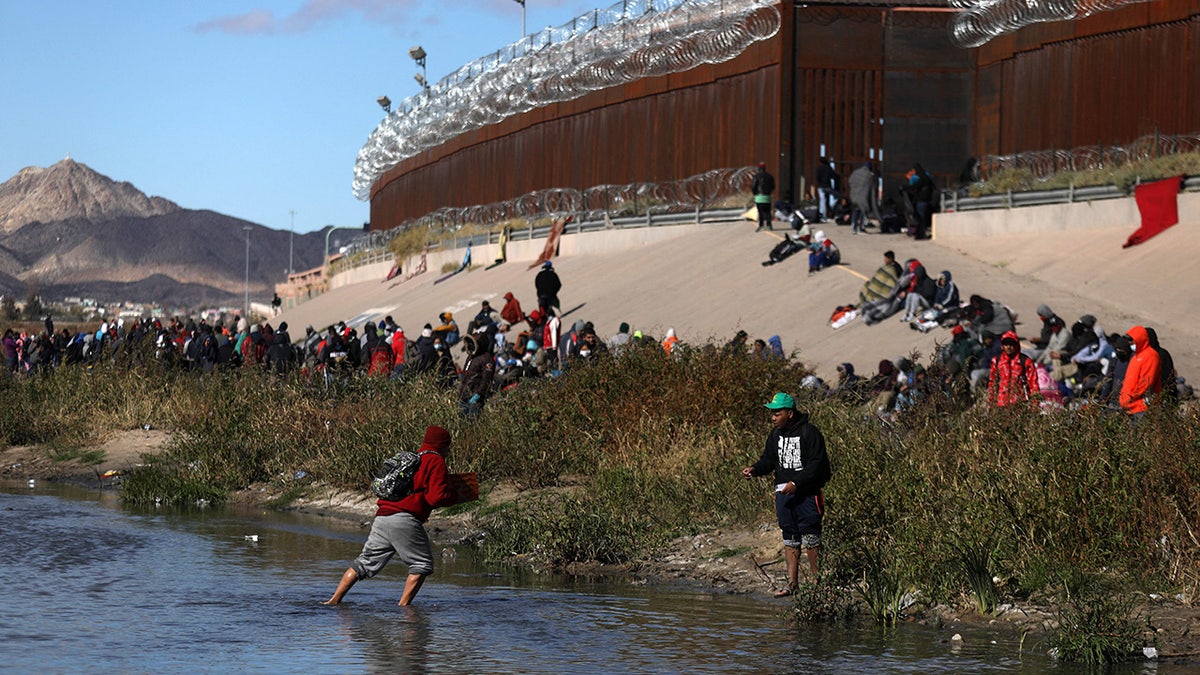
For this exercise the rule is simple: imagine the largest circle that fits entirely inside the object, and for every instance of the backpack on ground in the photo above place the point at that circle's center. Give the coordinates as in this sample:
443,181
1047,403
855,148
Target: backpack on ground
394,479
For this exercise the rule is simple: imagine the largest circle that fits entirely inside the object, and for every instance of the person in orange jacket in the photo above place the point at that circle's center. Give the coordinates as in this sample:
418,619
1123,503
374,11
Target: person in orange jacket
1142,378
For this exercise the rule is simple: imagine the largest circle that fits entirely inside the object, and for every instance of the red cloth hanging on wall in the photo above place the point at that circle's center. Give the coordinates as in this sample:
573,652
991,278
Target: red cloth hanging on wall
1158,204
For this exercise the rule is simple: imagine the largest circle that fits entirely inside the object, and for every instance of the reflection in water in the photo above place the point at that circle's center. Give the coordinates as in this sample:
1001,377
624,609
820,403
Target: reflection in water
397,642
92,585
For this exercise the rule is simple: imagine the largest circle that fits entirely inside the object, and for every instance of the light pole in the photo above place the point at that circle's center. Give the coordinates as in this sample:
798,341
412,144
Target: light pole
385,103
327,233
418,54
291,244
246,305
522,4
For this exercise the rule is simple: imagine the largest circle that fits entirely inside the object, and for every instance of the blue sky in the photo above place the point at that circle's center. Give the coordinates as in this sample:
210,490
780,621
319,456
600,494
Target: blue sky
252,109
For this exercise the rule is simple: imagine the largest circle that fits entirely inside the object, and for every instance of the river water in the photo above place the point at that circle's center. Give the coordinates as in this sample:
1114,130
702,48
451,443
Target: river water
93,585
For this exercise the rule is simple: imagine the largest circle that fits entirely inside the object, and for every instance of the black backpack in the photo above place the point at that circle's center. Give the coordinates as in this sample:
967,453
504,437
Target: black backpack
394,480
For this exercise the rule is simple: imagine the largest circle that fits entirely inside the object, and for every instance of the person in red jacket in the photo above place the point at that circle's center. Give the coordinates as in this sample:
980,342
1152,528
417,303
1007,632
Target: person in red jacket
511,314
399,529
1142,377
1013,377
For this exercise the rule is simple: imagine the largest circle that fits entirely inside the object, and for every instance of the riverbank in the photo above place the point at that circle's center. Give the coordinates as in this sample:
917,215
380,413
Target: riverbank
725,561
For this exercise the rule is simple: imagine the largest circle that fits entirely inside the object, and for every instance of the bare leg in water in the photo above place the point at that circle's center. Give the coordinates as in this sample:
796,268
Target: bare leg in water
349,577
411,586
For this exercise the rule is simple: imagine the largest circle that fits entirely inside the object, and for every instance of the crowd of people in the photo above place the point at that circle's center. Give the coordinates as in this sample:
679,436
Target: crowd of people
983,359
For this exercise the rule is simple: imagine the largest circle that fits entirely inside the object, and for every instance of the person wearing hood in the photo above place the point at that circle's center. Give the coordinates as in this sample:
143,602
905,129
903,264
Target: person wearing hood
946,298
448,328
1045,314
570,342
921,296
1013,376
1166,368
990,316
511,312
795,454
1143,377
399,525
670,342
849,385
1118,365
1056,346
399,345
475,382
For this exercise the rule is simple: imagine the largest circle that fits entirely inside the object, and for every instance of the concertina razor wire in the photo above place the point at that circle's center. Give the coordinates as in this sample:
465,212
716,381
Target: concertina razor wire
591,204
1045,163
981,20
628,41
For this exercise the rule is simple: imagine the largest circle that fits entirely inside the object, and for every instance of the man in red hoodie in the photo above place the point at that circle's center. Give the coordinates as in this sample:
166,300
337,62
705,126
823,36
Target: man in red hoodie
398,528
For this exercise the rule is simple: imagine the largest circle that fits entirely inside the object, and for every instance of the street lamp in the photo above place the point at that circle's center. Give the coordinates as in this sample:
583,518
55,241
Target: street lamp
418,55
246,305
522,4
327,233
385,103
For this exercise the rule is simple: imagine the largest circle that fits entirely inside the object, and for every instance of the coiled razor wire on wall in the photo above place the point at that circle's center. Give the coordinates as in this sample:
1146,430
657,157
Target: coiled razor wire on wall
982,20
628,41
591,204
1045,163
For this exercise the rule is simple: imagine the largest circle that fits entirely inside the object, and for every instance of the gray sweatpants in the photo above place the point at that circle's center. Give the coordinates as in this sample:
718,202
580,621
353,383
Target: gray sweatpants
398,534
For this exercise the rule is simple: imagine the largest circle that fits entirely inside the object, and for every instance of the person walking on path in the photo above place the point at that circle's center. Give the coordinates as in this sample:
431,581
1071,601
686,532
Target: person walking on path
763,187
795,454
398,528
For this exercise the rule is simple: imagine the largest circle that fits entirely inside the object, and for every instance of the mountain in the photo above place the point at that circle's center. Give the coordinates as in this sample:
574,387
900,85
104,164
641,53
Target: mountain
68,230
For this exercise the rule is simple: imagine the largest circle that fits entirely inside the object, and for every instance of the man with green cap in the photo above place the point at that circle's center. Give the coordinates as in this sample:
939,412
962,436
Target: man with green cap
795,453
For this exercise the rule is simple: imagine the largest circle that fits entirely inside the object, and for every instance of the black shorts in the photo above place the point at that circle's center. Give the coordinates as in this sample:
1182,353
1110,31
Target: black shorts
800,518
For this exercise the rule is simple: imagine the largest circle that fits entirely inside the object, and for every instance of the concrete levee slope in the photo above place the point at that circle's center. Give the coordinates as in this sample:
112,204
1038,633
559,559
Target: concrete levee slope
706,282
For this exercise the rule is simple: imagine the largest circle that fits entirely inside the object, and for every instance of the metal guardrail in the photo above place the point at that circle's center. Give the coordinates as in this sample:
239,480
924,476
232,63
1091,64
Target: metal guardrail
578,226
953,201
369,248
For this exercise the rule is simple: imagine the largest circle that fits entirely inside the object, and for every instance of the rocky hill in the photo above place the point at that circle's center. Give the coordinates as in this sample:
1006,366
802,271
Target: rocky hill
69,230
